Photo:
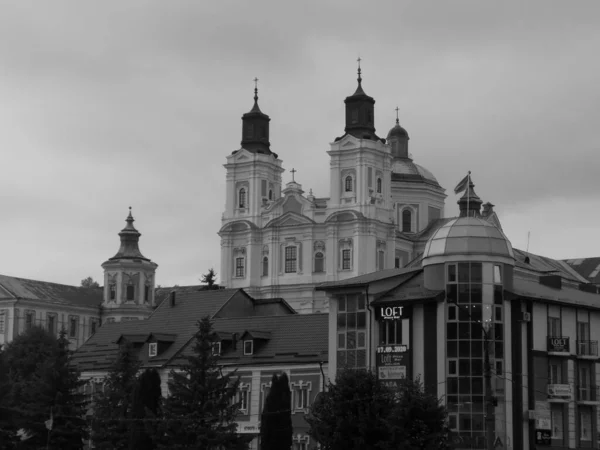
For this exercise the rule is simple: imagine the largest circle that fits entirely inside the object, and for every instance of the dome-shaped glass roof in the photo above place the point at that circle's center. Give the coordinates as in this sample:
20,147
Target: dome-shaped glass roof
468,236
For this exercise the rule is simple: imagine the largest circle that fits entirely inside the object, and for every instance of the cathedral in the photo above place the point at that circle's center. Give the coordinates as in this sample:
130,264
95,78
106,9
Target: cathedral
281,242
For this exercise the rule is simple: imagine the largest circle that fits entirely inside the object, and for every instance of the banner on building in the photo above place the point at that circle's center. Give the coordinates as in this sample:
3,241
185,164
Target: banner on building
392,363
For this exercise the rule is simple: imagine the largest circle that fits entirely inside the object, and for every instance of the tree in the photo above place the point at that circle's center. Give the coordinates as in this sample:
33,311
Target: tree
147,398
89,283
276,428
210,278
201,409
113,410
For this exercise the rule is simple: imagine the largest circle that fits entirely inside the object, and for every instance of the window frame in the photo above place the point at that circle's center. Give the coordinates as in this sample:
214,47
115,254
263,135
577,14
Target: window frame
240,267
29,319
251,351
242,198
54,317
379,184
216,348
265,266
130,292
348,183
321,259
73,327
292,260
404,216
152,349
346,259
3,321
112,291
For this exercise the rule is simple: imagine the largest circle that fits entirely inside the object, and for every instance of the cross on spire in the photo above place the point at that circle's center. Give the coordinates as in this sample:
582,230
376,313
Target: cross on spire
397,120
255,89
359,71
293,172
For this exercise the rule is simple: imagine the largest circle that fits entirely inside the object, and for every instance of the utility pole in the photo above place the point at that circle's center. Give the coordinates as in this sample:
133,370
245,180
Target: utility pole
490,421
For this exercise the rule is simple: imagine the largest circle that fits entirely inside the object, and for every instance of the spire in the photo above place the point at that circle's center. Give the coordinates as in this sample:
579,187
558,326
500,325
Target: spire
255,128
397,119
470,203
129,241
360,112
398,139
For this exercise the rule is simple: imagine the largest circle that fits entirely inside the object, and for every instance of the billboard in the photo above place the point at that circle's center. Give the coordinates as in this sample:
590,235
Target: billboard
392,363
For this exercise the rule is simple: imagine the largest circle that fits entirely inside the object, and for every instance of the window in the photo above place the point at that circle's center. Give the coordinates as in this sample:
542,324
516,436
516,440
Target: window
585,424
248,347
73,326
130,292
585,383
112,291
146,294
355,115
369,176
396,262
319,266
556,416
51,323
583,331
554,329
242,398
497,274
290,259
216,348
301,397
390,332
2,321
93,326
346,260
348,184
242,198
407,221
265,266
351,332
300,446
239,267
263,188
29,319
554,372
249,131
380,260
270,194
379,185
152,349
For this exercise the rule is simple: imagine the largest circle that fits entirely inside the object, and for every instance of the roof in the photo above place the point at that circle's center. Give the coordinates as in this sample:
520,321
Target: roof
586,267
366,279
535,290
409,290
468,235
403,169
547,265
60,294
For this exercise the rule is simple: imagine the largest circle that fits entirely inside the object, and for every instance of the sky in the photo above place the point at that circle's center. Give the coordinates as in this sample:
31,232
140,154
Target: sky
106,105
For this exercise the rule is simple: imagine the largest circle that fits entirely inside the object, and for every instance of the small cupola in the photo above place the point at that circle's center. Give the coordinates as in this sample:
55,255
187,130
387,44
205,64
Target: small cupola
360,113
398,138
470,203
130,238
255,128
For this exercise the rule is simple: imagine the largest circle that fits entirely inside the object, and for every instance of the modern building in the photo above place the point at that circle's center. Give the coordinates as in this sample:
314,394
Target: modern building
280,242
467,298
258,338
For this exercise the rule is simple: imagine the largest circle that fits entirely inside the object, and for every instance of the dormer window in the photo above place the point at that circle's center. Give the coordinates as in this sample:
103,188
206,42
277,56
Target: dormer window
242,198
348,184
248,348
152,349
216,348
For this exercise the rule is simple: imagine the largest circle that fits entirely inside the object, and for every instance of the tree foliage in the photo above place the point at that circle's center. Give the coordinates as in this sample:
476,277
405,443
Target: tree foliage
112,421
276,428
41,384
210,279
146,404
89,283
201,409
359,412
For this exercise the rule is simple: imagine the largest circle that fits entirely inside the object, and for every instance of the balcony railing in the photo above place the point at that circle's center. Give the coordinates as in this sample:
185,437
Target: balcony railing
587,348
587,393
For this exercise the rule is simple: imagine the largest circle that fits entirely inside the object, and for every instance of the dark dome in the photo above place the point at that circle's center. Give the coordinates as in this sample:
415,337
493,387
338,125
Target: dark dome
398,131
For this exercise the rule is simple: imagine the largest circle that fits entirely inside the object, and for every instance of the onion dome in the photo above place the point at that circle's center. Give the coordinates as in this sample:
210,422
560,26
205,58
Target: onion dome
360,113
398,131
129,242
470,238
255,128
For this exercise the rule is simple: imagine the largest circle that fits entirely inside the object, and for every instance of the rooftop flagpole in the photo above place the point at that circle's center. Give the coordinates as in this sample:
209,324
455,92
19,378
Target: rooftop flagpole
468,191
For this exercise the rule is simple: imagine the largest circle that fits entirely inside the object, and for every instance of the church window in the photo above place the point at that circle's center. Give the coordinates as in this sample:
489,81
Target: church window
348,183
355,115
270,194
379,185
93,326
380,260
369,176
291,254
239,267
130,292
249,130
265,266
73,322
346,260
319,259
112,291
242,198
407,221
146,294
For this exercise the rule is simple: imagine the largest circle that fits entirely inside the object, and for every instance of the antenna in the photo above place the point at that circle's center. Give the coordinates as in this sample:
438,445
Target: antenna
528,234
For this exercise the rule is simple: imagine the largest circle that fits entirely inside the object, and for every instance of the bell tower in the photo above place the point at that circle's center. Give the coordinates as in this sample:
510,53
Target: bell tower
128,280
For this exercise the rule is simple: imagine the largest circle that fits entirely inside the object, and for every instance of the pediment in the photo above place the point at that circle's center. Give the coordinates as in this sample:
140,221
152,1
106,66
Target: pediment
290,219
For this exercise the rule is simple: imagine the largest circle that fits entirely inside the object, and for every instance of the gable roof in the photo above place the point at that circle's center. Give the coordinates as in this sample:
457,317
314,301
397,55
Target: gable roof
368,278
546,265
58,294
588,268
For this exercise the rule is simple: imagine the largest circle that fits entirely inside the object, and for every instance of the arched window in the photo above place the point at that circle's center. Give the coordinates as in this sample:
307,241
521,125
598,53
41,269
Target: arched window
265,267
407,221
270,194
348,184
319,259
242,198
379,185
130,291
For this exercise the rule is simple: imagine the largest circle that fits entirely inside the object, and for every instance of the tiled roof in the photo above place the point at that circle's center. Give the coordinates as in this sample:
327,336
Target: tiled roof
546,265
533,289
588,268
161,293
62,294
408,290
364,280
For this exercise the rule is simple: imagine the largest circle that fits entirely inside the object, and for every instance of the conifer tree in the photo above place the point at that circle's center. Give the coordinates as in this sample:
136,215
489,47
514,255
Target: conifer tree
210,279
112,420
200,411
276,428
147,398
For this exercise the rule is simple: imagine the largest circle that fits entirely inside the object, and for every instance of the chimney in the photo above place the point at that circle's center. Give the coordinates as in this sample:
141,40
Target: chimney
172,299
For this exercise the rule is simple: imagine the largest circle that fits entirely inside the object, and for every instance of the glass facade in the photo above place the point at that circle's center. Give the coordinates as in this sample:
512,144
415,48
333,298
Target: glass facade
352,332
474,309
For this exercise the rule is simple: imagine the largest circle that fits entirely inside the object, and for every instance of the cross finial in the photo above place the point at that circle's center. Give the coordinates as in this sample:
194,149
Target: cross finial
397,120
359,71
293,172
255,89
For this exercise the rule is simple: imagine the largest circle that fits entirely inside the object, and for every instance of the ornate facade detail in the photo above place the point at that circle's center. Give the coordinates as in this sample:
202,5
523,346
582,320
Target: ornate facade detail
319,246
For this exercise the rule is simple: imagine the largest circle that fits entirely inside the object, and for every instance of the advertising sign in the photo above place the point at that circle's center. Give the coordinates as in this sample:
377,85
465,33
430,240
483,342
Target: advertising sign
542,416
392,364
558,344
543,437
390,312
560,391
248,428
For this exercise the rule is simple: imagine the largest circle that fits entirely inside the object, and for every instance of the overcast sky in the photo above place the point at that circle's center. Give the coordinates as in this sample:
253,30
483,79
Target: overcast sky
111,104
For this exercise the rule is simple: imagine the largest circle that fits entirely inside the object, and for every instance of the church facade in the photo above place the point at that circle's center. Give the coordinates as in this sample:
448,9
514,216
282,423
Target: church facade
278,241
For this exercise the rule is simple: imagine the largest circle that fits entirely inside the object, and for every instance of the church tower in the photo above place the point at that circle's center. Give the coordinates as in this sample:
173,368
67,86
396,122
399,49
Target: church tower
253,185
128,280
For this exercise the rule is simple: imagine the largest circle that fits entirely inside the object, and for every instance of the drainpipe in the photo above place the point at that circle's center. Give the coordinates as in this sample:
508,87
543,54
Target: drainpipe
370,327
